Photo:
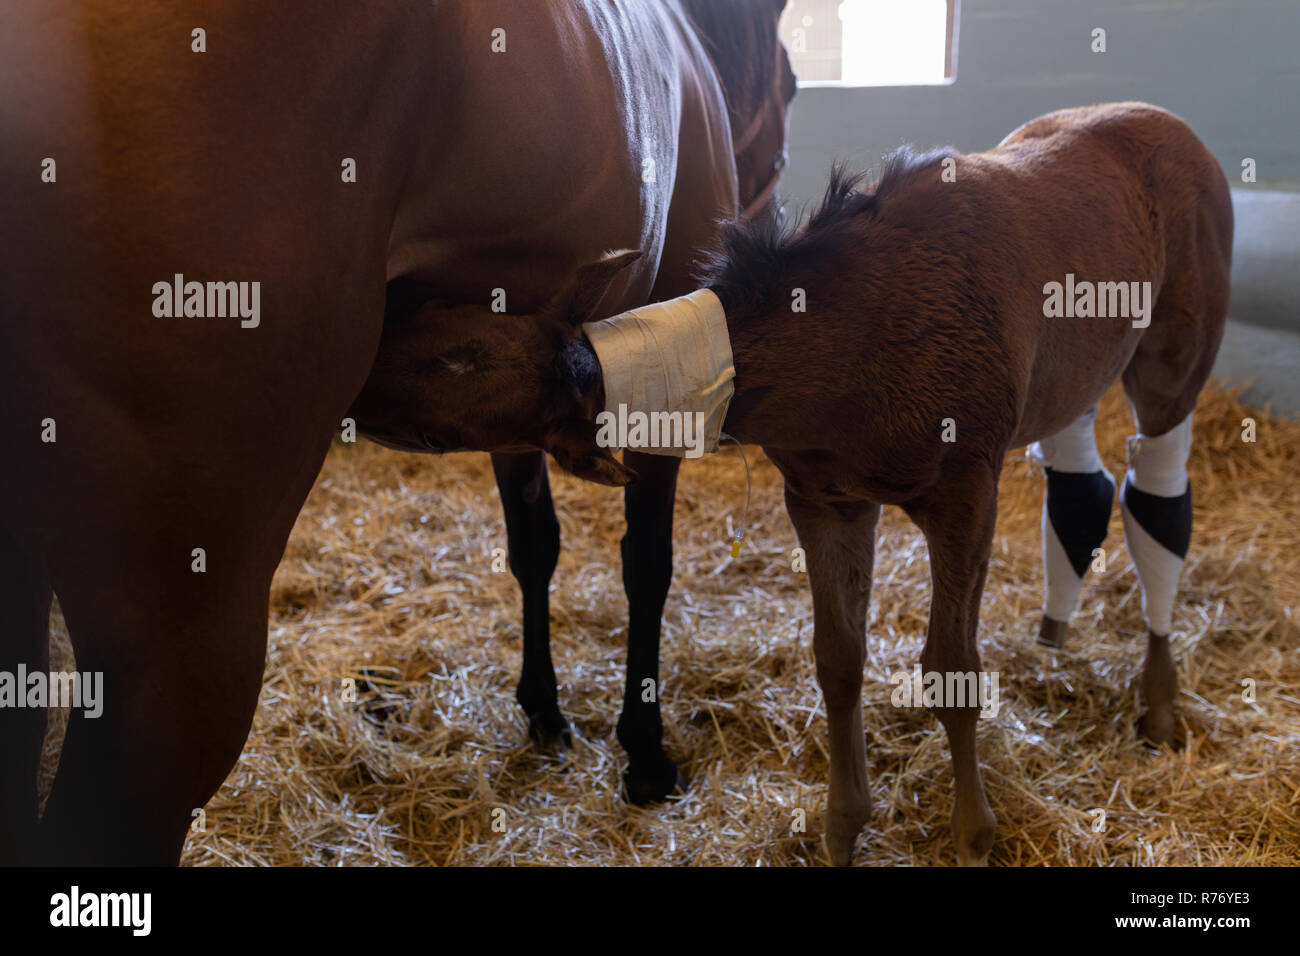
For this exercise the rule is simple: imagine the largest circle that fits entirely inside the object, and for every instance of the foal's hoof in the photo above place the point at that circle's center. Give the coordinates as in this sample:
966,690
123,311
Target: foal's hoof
974,829
1159,691
1052,633
839,847
653,786
550,731
1158,728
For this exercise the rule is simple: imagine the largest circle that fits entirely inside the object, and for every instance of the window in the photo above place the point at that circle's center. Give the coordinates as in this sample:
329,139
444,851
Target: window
871,42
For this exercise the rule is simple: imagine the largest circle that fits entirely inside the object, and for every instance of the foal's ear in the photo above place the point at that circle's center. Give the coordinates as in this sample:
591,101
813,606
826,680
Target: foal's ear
573,446
577,301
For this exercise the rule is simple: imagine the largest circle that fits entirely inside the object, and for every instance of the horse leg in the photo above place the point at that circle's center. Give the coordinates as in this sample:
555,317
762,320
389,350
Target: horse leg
24,640
704,191
533,536
1077,500
647,549
958,521
166,599
1156,502
1162,381
839,540
181,664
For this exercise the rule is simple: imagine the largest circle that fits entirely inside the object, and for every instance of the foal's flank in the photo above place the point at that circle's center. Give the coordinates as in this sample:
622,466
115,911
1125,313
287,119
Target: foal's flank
925,354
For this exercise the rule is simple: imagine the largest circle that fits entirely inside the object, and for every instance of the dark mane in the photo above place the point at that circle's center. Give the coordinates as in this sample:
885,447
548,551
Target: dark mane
738,35
753,256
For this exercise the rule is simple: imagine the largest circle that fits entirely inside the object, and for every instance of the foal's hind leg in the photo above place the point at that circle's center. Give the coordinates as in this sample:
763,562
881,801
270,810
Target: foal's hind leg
1076,510
839,540
533,535
958,521
1162,381
1156,502
24,640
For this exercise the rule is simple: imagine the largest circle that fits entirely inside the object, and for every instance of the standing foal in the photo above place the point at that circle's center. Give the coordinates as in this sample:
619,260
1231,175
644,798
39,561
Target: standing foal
966,306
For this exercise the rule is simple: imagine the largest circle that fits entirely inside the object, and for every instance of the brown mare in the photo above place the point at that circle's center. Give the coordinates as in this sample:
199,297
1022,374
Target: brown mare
757,83
925,354
344,161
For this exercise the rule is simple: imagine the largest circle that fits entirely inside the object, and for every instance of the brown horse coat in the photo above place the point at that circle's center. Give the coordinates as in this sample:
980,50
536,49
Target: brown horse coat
895,349
217,146
934,350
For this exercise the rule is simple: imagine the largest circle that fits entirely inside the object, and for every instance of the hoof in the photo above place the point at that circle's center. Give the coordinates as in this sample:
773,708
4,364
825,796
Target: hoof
1159,691
1052,633
839,847
550,732
974,829
846,817
1158,728
664,781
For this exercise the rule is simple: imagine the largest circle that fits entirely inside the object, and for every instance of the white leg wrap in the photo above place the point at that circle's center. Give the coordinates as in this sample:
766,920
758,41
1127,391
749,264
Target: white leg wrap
1156,502
1072,449
1076,511
1158,465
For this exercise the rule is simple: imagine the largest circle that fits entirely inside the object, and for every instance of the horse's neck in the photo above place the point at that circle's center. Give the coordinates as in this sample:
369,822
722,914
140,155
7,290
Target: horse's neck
743,81
773,352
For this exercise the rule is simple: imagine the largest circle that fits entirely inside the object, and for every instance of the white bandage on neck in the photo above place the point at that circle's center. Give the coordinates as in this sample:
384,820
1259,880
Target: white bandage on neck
668,376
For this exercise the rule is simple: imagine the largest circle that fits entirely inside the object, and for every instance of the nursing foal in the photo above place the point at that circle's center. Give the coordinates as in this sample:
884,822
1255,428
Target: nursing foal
894,351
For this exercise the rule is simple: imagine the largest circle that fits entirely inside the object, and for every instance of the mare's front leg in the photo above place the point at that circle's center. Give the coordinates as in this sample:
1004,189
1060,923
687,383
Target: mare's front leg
647,549
839,539
958,520
24,642
533,536
166,599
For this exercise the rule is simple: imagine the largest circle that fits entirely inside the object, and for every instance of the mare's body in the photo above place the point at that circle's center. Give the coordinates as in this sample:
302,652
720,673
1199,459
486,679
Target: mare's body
740,39
475,170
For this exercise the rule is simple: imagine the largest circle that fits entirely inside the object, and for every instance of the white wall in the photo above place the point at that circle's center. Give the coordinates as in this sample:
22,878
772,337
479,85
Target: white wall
1229,67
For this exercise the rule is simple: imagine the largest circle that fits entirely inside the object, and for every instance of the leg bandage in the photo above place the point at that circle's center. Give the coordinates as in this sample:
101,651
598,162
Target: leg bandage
1076,511
1156,502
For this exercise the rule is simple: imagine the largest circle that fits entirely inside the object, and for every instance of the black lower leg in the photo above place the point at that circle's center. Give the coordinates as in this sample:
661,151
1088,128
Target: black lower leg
647,572
533,536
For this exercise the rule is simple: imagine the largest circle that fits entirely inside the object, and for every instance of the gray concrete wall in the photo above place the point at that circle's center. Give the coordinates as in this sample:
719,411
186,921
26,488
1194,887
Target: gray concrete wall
1266,258
1267,360
1228,67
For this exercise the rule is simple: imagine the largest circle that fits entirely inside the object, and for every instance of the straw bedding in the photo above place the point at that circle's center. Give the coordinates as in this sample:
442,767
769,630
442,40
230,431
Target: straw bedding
388,580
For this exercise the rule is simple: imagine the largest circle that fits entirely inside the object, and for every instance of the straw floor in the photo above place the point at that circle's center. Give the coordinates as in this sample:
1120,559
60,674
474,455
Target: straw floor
388,580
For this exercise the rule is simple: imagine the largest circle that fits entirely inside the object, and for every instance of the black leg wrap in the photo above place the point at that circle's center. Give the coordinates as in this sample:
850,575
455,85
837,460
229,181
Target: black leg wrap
1167,520
1078,506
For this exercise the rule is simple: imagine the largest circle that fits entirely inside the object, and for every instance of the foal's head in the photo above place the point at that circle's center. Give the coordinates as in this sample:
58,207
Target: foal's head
464,378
